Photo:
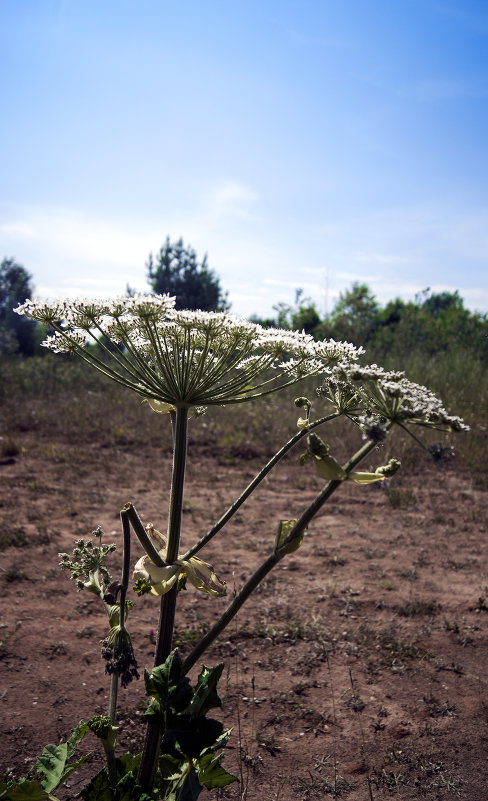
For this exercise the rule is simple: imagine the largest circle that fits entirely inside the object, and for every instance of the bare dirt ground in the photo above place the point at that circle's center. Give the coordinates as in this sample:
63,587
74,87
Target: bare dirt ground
359,668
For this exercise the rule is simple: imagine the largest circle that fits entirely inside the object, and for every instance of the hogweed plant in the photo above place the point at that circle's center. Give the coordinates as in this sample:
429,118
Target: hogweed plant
181,362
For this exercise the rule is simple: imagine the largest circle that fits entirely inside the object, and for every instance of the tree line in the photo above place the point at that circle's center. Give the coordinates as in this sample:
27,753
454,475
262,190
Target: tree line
431,324
434,323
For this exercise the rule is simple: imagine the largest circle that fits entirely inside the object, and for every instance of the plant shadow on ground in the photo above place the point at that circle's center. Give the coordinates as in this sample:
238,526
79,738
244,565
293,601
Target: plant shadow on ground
358,668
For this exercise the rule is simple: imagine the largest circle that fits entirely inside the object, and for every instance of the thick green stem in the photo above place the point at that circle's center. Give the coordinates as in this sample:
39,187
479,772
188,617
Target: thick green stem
230,612
255,482
124,582
112,707
152,742
270,562
111,766
114,680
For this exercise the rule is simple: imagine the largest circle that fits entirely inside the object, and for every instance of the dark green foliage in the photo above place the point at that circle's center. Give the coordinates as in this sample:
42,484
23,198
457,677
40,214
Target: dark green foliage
302,316
354,318
23,790
125,787
191,742
177,271
433,324
17,334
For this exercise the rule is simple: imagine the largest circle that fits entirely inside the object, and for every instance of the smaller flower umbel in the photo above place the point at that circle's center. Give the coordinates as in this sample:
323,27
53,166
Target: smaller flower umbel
157,580
372,397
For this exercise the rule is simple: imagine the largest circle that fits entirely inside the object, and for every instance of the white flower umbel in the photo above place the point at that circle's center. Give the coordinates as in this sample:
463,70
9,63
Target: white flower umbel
183,358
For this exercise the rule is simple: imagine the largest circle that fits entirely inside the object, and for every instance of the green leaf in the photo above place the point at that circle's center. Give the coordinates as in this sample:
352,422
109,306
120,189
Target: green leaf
220,742
188,790
23,790
69,769
212,774
128,789
127,763
98,788
329,468
153,713
171,768
188,735
284,529
205,696
51,764
365,478
163,678
75,737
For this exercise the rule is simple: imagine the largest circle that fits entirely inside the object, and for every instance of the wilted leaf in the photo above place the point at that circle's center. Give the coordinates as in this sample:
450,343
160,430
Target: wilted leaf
329,468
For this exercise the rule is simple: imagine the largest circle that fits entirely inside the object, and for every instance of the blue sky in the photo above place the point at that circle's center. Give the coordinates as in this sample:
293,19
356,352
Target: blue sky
300,144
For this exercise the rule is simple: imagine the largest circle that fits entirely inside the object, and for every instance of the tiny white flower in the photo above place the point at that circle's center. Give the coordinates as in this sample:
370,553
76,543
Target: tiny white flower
380,395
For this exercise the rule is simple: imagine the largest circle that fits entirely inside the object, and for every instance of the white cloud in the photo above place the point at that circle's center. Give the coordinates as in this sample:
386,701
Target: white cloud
16,230
381,258
397,252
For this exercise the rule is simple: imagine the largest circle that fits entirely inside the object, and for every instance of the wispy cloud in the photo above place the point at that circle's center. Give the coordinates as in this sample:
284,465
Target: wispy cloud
397,252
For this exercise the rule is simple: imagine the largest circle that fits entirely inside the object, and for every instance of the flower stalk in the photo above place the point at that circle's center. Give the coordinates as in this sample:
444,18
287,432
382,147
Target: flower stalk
164,642
255,483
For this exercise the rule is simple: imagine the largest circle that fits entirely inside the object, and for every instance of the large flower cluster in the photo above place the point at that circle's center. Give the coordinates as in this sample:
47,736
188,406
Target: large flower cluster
374,396
183,358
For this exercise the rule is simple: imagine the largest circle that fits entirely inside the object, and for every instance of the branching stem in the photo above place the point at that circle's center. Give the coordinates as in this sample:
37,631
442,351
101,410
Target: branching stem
254,483
271,562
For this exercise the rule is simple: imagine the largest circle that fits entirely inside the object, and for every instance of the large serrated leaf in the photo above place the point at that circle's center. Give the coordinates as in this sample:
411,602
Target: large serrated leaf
75,737
189,735
153,713
212,774
163,678
127,789
219,743
22,790
127,763
205,696
52,764
171,768
188,790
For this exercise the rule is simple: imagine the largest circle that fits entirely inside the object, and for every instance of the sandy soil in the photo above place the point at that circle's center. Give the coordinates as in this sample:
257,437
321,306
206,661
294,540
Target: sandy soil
358,669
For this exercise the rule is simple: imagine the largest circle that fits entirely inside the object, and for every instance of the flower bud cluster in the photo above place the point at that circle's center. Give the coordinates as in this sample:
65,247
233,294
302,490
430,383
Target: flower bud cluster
118,653
86,564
